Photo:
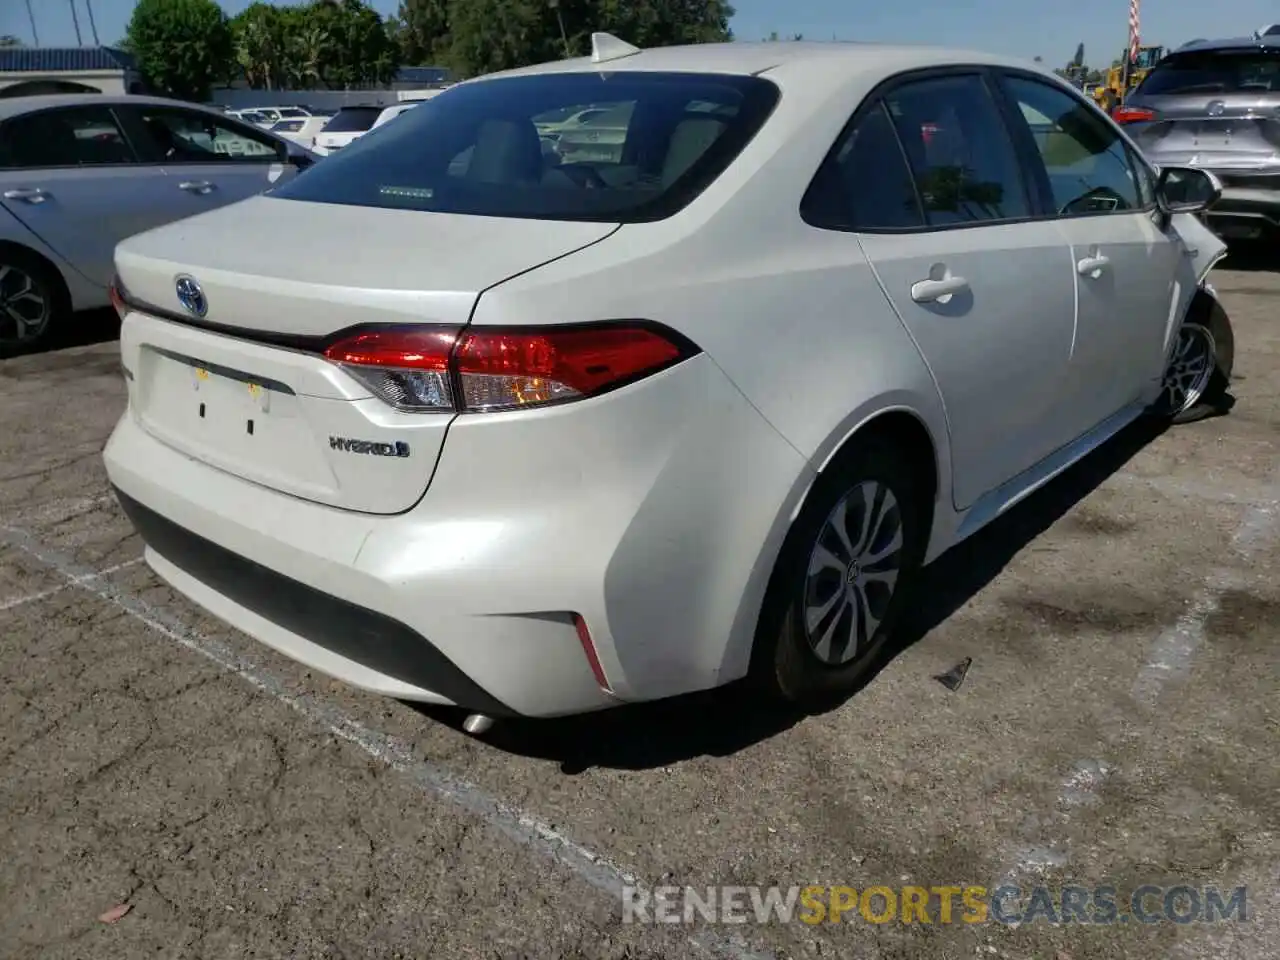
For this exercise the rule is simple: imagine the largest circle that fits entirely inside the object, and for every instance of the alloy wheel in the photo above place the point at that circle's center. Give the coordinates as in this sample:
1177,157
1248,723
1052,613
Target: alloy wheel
853,570
24,306
1189,370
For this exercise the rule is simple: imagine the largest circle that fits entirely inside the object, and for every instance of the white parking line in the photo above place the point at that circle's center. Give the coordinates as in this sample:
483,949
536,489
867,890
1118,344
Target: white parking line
1170,658
595,869
33,597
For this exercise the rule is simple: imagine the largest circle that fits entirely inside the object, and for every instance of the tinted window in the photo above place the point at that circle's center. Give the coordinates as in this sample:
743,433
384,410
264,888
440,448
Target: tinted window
965,165
519,147
865,184
182,136
63,138
1090,169
1214,71
352,120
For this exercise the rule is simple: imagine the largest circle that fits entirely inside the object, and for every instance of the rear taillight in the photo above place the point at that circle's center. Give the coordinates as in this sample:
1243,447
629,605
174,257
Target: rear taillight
116,293
444,369
1124,115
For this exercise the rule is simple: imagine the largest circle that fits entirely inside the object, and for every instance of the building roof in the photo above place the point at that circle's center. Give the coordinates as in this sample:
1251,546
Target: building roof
62,59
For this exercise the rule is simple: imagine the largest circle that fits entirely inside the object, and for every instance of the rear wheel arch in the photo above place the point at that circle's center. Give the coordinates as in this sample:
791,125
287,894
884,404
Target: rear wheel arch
905,430
891,442
46,274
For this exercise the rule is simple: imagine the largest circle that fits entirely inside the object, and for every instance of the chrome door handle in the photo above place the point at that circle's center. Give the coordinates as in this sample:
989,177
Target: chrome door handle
29,194
1092,266
196,186
938,291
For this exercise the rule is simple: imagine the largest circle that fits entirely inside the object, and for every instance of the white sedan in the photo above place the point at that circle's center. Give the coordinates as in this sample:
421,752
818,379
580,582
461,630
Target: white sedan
534,437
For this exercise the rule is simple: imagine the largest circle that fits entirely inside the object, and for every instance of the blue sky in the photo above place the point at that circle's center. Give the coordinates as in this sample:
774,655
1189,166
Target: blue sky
1003,26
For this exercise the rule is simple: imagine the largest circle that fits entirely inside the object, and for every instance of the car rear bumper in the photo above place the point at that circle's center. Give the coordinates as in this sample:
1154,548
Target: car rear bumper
653,513
1249,205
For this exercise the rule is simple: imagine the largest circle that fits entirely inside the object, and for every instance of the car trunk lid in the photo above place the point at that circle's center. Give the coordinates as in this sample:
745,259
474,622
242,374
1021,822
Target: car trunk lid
245,387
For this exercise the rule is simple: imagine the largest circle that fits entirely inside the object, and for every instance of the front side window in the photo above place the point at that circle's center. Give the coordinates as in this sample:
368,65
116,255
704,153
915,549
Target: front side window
965,165
79,136
1090,168
181,136
622,146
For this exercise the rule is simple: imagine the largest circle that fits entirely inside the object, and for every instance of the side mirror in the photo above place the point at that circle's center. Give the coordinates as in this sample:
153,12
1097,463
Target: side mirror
1186,190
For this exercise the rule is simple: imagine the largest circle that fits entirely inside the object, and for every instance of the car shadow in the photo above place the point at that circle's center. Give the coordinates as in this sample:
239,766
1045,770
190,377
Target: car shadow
1252,257
82,330
724,721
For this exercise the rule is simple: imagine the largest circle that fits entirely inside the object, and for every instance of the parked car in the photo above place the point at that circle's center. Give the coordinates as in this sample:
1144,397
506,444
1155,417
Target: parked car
535,437
346,125
79,173
256,117
300,130
1215,104
390,113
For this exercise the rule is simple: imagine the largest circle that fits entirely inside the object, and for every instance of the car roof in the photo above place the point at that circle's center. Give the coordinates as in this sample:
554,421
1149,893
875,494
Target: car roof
17,106
836,61
1255,42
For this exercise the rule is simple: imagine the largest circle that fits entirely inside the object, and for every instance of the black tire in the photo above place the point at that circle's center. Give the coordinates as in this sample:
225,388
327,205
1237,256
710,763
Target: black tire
1205,314
784,662
46,284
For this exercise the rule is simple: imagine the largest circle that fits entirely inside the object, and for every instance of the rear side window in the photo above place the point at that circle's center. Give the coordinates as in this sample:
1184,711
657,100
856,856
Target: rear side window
965,165
1214,71
625,146
865,184
352,120
81,136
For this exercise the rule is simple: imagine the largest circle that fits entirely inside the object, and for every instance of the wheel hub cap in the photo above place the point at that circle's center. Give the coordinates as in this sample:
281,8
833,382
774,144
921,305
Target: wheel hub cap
853,569
24,312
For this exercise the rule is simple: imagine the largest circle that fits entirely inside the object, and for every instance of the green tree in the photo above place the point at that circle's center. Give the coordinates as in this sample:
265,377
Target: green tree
422,32
489,35
182,46
261,46
353,43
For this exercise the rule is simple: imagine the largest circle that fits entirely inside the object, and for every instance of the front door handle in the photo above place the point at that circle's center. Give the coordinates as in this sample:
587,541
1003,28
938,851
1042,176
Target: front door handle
196,186
27,194
1093,265
938,291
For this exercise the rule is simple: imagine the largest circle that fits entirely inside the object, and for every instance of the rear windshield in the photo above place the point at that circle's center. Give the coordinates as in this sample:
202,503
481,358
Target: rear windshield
565,146
352,120
1215,71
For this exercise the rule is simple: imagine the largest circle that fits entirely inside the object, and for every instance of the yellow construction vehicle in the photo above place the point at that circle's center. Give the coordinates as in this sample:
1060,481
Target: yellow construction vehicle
1114,90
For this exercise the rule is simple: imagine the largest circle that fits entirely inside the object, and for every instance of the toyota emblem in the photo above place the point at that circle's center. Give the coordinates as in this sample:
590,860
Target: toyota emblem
190,295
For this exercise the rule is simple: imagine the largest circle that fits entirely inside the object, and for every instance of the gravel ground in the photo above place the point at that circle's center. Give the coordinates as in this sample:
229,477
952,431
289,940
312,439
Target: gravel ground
1118,725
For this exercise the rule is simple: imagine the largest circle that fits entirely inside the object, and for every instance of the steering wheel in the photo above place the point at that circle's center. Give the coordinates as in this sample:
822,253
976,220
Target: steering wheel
583,176
1085,202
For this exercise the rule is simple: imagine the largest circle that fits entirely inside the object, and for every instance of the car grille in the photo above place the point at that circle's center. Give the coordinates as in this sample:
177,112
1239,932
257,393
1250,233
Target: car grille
1251,181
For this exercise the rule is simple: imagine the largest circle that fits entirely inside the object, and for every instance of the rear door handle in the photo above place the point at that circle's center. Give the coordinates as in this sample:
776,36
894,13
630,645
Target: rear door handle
28,194
1093,265
196,186
938,291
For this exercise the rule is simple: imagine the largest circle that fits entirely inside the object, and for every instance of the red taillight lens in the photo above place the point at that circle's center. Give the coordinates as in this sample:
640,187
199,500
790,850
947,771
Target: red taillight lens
503,369
408,368
517,368
1132,115
117,298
